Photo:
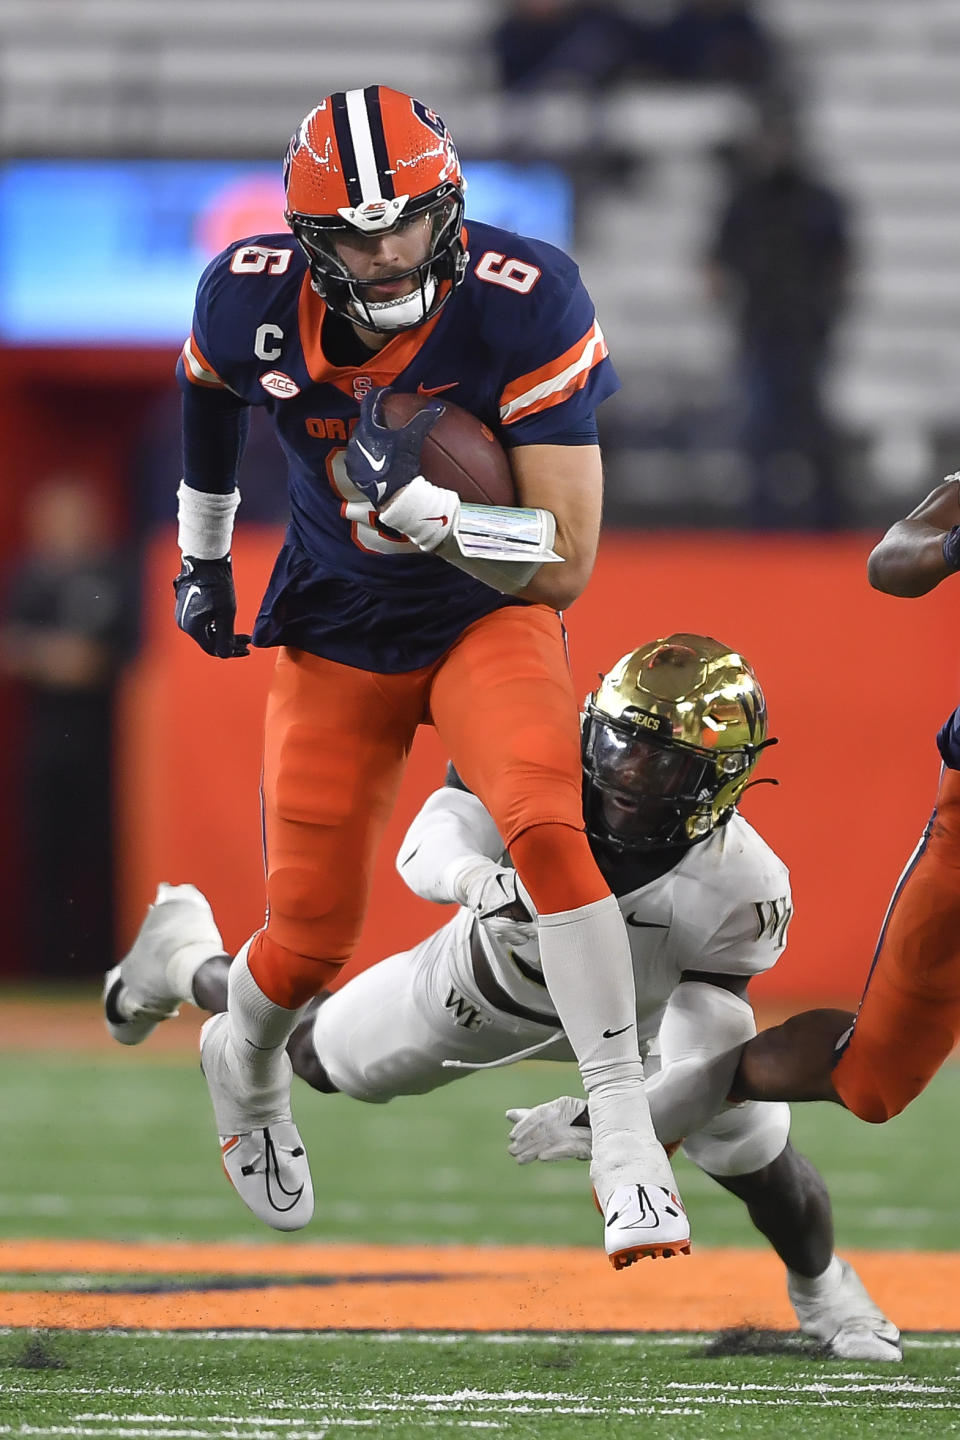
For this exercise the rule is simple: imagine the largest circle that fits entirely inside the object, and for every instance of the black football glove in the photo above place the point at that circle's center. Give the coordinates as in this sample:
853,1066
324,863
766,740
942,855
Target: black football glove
207,606
379,460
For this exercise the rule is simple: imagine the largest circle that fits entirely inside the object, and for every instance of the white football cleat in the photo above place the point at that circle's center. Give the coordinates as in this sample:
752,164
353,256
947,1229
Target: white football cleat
263,1155
847,1321
178,933
644,1220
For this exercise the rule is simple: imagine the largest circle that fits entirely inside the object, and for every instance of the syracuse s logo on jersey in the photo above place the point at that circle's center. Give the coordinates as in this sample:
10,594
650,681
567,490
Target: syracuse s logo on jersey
361,385
280,386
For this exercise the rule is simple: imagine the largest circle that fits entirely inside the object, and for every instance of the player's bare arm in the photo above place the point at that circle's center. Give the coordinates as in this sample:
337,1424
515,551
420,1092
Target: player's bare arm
922,549
567,480
792,1061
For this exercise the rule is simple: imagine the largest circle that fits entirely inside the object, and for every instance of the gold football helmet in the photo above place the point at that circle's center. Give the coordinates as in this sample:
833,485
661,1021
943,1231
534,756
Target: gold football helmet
670,738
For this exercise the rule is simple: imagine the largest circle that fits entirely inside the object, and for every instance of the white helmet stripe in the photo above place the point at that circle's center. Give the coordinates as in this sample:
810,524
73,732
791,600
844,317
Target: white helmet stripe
363,146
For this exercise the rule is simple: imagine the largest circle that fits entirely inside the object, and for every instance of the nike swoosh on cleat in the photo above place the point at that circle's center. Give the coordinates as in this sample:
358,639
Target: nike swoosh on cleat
273,1171
376,465
436,389
609,1034
645,924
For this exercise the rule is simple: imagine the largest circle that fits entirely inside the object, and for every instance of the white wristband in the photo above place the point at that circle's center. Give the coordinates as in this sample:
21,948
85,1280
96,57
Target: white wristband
424,512
206,522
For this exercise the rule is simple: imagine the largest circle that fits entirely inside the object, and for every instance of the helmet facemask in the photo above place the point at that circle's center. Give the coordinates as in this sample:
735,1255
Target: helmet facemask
435,276
645,791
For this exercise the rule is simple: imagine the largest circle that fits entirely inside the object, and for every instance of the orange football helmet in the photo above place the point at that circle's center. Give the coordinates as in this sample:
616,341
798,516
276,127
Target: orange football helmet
366,162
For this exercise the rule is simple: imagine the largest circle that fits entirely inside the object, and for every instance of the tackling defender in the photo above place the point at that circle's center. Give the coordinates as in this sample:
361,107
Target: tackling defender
384,623
670,740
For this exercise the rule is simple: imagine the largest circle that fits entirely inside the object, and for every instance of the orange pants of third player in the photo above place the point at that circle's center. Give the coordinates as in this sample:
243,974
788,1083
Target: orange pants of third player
909,1016
336,742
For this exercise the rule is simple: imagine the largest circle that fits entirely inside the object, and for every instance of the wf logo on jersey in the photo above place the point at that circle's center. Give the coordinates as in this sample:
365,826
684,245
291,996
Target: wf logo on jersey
463,1013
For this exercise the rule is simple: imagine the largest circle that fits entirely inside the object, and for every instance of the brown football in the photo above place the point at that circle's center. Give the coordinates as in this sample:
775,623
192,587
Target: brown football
460,453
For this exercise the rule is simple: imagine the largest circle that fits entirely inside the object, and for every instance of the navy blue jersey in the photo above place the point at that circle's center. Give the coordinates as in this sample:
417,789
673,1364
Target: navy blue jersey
517,344
948,741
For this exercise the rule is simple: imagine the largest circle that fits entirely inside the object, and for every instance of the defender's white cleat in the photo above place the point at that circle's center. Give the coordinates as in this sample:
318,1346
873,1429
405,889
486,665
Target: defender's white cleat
178,933
847,1321
644,1220
263,1155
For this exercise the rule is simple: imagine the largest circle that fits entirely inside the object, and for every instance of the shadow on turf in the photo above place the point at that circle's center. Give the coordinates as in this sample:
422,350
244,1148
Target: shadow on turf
38,1353
745,1341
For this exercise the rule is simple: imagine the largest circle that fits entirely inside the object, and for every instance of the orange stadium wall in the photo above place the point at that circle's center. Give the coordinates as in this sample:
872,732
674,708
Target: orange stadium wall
857,684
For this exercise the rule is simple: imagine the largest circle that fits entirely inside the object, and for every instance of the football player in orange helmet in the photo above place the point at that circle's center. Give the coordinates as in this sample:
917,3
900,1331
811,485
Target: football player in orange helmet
384,243
385,618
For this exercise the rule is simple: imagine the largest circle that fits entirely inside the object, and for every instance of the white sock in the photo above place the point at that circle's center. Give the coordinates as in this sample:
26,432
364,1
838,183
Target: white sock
589,974
183,965
259,1029
817,1287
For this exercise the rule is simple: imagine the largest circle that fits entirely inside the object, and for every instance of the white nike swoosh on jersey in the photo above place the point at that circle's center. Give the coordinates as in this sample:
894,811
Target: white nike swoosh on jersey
376,465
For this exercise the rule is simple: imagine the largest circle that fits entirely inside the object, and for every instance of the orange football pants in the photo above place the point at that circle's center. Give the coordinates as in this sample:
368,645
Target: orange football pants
336,741
909,1016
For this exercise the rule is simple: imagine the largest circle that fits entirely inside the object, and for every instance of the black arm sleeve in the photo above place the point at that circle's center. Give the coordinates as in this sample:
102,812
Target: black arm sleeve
215,428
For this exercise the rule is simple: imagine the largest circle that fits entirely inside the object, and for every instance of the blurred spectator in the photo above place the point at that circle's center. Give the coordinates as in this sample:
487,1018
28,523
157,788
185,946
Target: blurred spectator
68,627
780,259
720,41
591,43
562,42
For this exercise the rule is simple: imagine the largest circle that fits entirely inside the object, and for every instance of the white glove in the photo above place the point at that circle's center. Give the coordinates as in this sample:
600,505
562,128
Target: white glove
496,895
547,1132
424,512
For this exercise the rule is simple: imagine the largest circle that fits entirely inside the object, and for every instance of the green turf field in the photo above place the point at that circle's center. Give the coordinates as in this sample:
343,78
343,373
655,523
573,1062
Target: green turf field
321,1387
318,1387
120,1145
117,1145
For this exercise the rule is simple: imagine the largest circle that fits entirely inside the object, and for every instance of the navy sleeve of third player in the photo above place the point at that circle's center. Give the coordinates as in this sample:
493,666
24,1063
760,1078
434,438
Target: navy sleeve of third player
215,428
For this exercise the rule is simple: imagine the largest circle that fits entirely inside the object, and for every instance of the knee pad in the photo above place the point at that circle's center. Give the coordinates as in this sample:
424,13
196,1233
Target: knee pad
741,1140
303,922
294,893
874,1095
286,977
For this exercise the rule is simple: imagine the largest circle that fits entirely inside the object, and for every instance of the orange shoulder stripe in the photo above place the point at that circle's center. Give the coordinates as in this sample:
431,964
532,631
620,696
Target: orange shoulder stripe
551,383
199,370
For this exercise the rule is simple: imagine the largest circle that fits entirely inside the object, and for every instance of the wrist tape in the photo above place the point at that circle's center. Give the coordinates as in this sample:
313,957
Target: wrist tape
205,522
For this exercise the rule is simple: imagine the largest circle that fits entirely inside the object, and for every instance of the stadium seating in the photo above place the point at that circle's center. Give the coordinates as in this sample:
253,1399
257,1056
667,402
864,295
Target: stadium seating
881,104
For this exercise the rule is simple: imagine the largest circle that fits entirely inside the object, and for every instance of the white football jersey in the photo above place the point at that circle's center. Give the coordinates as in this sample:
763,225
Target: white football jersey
724,908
